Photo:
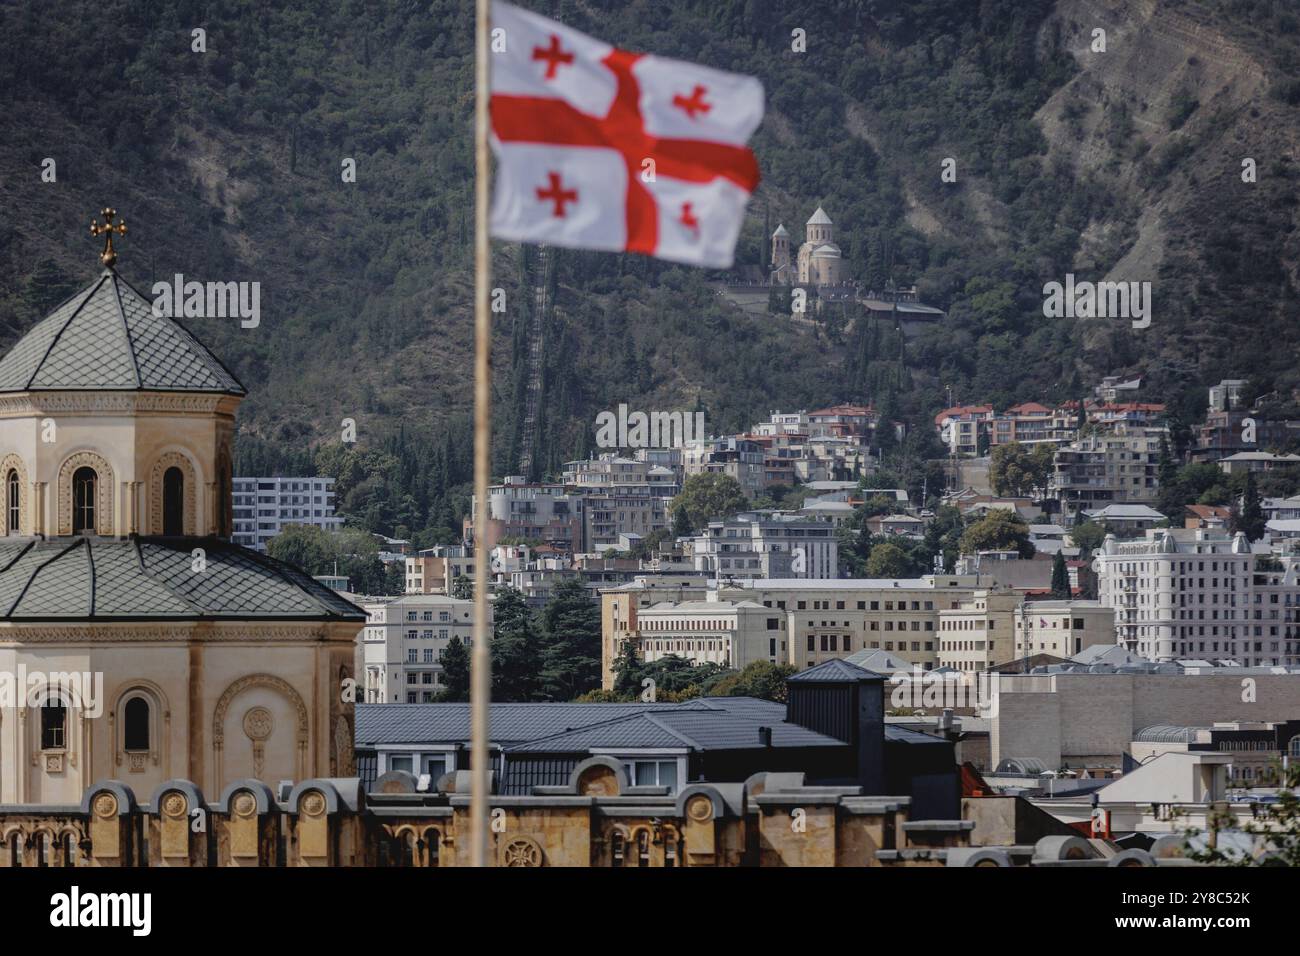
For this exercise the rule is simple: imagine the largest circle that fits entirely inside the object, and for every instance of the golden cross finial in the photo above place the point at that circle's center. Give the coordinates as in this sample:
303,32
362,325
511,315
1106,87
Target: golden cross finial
108,256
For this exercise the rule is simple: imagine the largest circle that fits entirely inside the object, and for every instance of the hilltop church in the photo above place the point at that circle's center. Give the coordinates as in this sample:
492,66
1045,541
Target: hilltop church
818,261
208,661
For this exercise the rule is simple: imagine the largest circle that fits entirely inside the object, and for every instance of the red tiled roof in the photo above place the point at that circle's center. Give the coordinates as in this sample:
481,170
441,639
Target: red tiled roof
1209,511
1024,407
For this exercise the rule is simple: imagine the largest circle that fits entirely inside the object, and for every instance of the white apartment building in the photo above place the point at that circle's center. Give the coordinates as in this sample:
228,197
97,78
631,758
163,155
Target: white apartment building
767,546
1184,594
732,634
403,641
263,507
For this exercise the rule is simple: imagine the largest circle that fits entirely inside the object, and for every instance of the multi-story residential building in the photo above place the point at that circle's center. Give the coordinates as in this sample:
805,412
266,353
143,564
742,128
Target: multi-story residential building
607,516
979,632
1227,394
263,507
613,475
1256,461
434,570
1110,414
768,546
843,421
1183,593
403,641
1273,611
535,512
789,425
1025,423
1102,468
1225,432
737,457
1062,628
960,427
732,634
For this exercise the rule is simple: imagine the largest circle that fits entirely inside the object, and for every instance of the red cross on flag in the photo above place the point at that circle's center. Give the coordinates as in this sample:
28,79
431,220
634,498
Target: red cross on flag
599,148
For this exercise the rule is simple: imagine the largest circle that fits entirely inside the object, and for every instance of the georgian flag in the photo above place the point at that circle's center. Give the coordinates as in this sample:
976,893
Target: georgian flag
599,148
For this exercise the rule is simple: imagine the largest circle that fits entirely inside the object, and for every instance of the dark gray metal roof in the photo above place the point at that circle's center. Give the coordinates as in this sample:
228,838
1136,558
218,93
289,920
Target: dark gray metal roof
723,723
89,578
106,337
835,671
508,722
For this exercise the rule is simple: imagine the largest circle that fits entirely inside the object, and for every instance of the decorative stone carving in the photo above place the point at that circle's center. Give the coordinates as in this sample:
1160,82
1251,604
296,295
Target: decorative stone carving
521,851
173,805
313,803
105,805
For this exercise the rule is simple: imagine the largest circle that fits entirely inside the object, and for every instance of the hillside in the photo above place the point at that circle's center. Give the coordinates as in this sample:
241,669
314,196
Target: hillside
226,165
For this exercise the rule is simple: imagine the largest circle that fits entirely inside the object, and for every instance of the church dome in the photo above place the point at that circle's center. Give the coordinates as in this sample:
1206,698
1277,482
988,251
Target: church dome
106,337
827,251
780,231
90,578
819,218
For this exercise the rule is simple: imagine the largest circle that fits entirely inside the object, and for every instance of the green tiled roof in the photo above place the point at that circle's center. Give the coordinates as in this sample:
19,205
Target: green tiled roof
107,337
88,578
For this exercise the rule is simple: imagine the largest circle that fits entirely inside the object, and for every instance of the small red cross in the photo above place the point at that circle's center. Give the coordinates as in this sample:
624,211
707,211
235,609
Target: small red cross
688,219
694,104
553,56
557,195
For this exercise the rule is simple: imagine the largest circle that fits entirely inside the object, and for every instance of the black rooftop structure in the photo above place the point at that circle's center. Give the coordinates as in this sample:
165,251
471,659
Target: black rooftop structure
832,730
845,701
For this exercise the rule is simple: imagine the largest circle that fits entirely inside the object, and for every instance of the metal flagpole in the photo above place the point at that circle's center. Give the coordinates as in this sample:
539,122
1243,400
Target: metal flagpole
481,662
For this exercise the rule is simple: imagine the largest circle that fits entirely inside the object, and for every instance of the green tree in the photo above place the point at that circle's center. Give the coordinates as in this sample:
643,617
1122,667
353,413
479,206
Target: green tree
462,588
1274,826
515,649
999,530
888,560
1087,537
1060,577
570,630
455,670
761,679
709,497
1251,522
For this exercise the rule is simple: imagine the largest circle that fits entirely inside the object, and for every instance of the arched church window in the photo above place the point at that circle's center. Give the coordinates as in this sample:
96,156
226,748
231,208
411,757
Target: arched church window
12,502
173,502
54,720
136,724
84,485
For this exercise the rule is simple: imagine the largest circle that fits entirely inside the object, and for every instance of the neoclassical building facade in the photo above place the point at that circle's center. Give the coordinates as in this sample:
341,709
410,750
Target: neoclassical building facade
137,642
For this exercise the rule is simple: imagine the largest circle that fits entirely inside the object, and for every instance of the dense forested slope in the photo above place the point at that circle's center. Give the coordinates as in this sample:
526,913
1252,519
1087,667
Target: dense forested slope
226,165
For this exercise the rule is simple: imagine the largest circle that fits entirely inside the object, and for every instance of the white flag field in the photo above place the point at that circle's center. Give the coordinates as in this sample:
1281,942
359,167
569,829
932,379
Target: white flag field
600,148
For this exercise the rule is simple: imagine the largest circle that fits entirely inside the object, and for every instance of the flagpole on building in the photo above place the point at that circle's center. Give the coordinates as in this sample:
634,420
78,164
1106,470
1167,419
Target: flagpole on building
481,661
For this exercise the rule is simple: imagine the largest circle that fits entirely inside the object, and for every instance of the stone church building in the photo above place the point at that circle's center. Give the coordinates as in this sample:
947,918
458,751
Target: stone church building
818,261
194,658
